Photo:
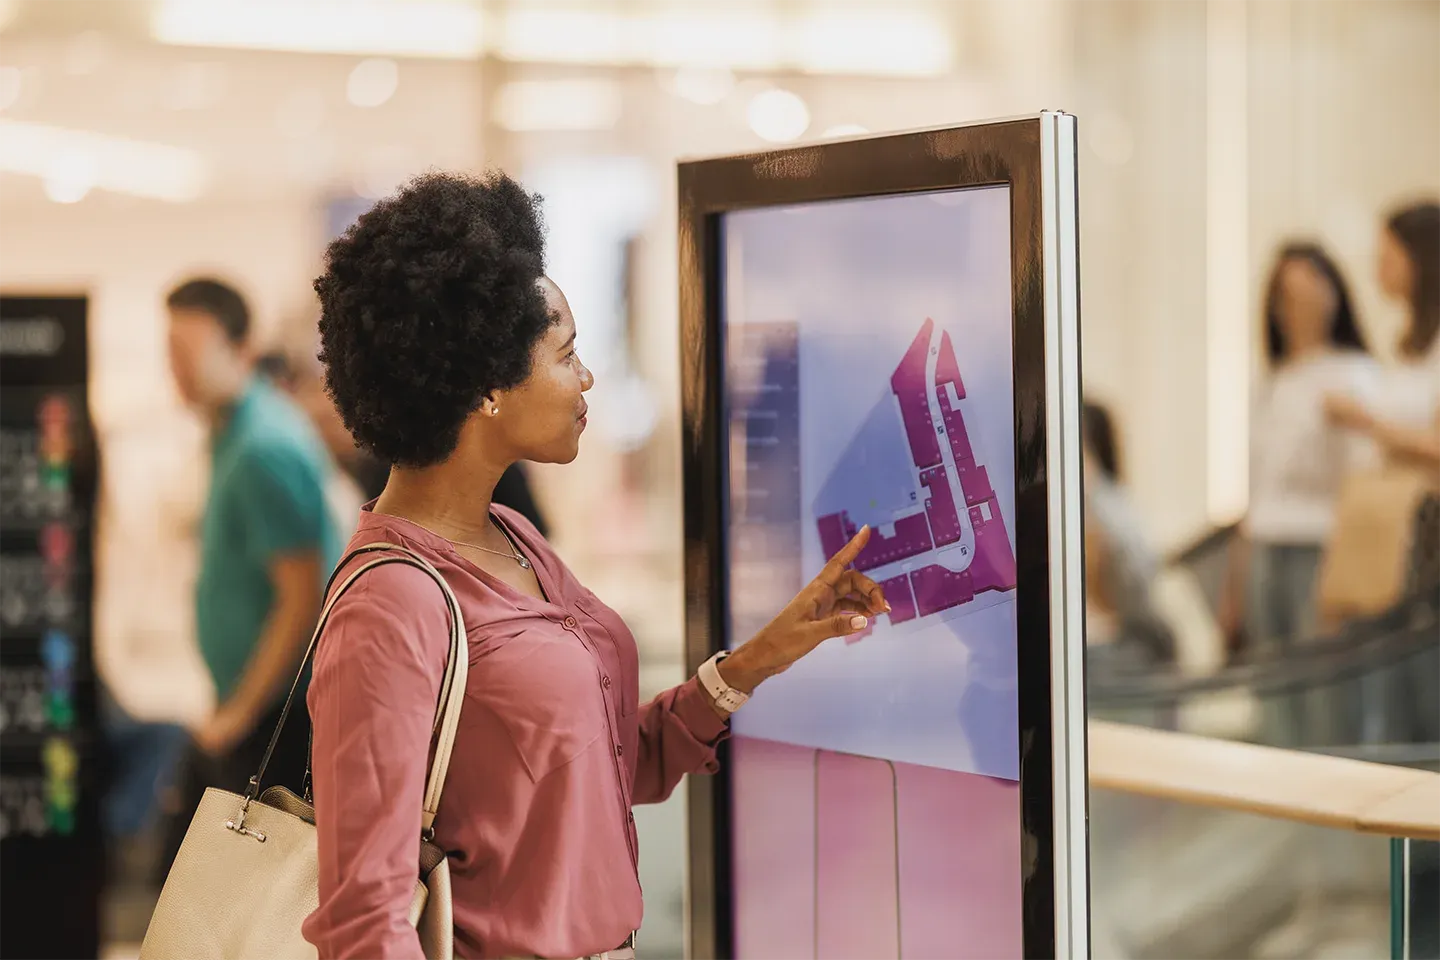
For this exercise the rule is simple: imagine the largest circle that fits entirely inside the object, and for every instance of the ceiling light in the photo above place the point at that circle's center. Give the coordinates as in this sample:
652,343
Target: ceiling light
9,87
845,130
66,158
778,116
538,105
706,87
870,41
70,178
879,43
728,38
567,36
416,28
372,82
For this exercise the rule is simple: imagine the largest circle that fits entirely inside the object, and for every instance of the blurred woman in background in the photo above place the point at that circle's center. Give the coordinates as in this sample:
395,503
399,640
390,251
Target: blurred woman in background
1298,459
1313,347
1403,415
1124,632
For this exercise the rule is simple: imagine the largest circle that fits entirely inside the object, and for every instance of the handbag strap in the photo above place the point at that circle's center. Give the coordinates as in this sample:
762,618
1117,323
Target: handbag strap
452,687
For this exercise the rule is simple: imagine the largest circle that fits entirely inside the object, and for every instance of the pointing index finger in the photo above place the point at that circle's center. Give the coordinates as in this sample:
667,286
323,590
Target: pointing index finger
844,557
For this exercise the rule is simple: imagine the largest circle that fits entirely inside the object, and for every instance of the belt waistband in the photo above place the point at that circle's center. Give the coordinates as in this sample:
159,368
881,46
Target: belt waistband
625,951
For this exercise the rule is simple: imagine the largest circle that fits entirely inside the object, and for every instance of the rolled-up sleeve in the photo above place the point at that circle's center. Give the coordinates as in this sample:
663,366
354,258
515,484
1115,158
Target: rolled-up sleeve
372,702
679,732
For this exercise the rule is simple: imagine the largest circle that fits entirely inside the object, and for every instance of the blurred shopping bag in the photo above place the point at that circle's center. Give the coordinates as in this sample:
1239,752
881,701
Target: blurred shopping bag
1366,567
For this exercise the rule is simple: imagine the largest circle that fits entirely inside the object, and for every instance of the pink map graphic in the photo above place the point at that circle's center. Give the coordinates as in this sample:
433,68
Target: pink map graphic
938,537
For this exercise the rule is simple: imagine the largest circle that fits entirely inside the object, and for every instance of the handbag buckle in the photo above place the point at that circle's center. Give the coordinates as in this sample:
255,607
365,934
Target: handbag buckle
238,824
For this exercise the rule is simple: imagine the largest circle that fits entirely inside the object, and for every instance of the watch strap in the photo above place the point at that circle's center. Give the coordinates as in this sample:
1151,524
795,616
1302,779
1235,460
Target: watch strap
726,697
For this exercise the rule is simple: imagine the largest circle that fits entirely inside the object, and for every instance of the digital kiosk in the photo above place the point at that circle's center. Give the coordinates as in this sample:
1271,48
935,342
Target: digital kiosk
885,331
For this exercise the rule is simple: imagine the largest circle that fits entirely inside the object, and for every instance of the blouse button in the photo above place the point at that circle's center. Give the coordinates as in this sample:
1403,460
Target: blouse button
570,622
605,682
619,750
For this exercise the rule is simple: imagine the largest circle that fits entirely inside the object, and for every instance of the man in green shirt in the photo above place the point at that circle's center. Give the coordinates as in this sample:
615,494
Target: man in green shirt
267,541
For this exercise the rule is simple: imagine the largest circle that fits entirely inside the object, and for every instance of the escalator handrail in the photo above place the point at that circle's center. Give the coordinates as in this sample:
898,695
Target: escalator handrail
1358,646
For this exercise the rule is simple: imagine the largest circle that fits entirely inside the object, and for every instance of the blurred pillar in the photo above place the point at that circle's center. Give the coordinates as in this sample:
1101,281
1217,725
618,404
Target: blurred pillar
1227,299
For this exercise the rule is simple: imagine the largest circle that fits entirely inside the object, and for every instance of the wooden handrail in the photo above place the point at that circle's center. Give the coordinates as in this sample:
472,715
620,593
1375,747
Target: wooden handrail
1308,788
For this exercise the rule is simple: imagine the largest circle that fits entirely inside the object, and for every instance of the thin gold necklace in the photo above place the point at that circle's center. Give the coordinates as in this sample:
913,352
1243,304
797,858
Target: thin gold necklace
514,554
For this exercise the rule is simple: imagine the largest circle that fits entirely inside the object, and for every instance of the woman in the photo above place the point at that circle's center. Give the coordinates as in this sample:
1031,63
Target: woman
1298,460
451,355
1313,346
1403,415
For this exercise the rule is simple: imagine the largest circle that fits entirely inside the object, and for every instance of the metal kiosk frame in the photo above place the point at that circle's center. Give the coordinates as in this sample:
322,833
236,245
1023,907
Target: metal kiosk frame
1036,158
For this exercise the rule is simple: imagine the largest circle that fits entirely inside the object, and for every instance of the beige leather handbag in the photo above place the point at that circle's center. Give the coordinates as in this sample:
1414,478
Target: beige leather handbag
1363,572
246,875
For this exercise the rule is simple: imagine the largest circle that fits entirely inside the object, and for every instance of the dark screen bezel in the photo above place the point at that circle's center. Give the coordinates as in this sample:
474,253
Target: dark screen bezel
1005,153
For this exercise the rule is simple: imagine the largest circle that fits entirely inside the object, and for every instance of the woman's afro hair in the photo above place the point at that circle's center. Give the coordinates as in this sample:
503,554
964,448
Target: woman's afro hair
429,302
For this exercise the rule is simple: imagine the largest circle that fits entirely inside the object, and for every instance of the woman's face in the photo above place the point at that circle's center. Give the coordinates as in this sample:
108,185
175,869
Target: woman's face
543,417
1307,305
1393,268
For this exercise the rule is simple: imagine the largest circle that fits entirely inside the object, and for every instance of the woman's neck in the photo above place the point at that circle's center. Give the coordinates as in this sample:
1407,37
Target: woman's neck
1307,351
451,499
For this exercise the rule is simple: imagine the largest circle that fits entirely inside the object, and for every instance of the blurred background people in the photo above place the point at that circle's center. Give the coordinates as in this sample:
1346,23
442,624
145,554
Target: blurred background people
1298,460
1124,630
346,490
1313,346
1403,416
362,476
267,543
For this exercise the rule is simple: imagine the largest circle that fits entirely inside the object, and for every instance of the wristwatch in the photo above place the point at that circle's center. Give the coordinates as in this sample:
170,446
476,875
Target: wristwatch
726,697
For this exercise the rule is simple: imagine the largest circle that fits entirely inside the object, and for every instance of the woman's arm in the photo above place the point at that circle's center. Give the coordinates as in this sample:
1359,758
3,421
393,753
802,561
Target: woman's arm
372,704
1418,445
679,731
679,728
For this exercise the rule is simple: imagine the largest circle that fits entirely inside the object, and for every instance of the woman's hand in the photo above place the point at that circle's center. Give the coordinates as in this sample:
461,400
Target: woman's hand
838,602
1349,413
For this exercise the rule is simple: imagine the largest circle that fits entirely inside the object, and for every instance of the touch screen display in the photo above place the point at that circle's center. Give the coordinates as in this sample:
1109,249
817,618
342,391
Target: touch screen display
868,379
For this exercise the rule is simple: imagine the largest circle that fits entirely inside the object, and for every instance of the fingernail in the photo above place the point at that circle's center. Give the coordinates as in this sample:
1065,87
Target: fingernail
887,607
858,622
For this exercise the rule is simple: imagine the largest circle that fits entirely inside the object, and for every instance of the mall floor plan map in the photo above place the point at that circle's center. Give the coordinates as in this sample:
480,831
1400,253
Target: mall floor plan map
939,539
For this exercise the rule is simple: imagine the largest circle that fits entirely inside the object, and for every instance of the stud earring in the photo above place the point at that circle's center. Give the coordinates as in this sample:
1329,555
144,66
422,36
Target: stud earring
494,410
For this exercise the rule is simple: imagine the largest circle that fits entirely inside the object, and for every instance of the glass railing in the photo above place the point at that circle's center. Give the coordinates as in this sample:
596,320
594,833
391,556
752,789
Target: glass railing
1172,879
1414,896
1203,848
1186,879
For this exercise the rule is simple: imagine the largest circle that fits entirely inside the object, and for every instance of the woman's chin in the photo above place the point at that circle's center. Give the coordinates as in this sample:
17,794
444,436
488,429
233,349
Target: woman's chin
560,453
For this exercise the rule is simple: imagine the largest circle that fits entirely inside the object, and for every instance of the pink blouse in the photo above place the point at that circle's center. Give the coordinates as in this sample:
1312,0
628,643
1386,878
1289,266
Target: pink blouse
552,750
